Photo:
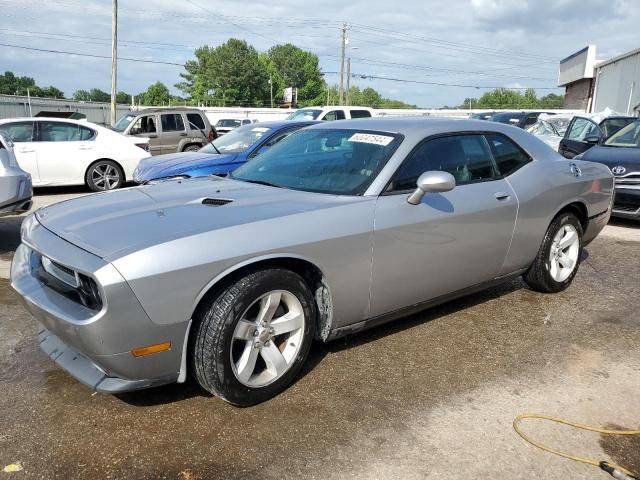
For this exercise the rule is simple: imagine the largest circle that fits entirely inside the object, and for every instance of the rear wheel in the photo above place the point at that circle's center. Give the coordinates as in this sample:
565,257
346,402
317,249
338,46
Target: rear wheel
253,338
192,148
558,259
104,175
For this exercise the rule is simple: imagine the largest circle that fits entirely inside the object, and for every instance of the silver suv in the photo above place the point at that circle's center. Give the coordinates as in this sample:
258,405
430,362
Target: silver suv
169,130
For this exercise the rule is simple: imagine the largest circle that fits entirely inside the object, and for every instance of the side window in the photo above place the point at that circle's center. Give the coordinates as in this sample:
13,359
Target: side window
63,132
334,115
195,122
144,124
273,140
360,113
612,125
466,157
531,119
18,131
582,128
507,154
172,122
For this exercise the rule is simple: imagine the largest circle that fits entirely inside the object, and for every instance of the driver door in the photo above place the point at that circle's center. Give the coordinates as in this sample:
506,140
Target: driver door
574,142
451,240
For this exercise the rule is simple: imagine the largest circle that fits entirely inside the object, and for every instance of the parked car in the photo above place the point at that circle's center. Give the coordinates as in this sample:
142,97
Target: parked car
482,115
621,153
340,227
331,113
73,152
219,157
15,183
169,130
586,130
225,125
550,128
517,119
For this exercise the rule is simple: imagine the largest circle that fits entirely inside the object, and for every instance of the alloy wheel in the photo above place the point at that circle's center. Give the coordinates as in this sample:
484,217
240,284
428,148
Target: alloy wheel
563,255
267,338
105,176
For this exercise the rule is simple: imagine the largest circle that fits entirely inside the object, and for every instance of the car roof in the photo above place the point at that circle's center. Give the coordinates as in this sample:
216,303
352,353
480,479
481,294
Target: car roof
418,126
50,119
165,109
283,123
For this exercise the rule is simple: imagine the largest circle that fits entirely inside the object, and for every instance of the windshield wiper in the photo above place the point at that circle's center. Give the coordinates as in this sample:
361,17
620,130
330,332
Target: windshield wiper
259,182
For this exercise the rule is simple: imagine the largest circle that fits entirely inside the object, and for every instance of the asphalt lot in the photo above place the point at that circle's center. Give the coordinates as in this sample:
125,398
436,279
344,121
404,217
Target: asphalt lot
430,396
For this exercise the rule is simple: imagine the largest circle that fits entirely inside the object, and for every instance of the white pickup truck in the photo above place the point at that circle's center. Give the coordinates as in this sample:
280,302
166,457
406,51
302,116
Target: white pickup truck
331,113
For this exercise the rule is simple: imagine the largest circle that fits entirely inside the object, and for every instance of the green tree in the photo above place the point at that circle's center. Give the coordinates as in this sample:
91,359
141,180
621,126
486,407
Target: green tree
97,95
230,74
10,84
156,94
123,97
293,67
82,95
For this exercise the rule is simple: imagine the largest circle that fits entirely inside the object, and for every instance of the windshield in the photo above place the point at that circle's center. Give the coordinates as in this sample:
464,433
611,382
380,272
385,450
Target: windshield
237,140
512,118
327,160
628,137
122,124
228,123
305,114
542,127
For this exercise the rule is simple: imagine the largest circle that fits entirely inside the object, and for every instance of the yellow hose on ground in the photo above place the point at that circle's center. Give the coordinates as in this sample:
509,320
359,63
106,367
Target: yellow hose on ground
575,458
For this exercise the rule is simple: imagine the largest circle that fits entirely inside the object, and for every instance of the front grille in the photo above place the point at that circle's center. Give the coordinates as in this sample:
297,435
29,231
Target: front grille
69,283
628,179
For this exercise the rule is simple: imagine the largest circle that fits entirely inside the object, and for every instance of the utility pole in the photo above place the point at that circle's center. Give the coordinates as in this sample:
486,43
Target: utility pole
271,85
348,81
344,45
114,59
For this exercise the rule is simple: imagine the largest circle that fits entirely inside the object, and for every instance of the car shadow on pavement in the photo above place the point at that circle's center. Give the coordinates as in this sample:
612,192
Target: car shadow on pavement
9,234
624,222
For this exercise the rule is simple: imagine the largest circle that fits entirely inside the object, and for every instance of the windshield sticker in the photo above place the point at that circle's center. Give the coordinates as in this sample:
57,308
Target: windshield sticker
383,140
260,129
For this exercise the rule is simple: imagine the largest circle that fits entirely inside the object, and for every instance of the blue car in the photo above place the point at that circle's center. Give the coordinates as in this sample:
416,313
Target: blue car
219,157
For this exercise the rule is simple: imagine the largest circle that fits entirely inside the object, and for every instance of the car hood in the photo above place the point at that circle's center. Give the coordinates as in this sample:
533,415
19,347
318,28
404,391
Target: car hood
628,158
173,164
116,223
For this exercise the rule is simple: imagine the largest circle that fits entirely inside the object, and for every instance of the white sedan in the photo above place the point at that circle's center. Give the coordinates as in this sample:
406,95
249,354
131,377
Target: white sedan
74,152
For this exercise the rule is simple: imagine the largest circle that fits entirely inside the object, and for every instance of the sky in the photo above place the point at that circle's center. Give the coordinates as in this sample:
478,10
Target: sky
429,53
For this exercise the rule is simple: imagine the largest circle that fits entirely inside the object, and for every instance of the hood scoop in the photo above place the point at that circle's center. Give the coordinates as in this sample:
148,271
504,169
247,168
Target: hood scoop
215,202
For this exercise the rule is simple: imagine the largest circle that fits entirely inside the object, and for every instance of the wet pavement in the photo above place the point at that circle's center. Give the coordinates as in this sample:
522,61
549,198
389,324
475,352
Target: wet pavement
430,396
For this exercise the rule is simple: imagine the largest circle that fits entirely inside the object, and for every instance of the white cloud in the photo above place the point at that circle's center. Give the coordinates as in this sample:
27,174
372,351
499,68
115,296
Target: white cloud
500,42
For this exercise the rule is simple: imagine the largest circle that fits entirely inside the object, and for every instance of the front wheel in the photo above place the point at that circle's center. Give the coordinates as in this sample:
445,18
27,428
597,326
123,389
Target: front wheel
253,338
558,259
192,148
104,175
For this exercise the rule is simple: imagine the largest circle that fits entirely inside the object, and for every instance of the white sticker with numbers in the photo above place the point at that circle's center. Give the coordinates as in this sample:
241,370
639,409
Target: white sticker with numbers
383,140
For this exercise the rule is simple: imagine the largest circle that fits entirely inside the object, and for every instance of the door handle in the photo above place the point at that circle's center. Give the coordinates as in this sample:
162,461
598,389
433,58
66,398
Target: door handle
501,196
183,134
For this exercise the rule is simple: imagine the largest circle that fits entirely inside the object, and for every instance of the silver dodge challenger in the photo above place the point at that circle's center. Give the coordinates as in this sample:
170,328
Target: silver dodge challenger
338,228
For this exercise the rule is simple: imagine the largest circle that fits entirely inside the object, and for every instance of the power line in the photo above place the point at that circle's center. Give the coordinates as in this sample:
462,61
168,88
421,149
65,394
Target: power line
405,80
78,54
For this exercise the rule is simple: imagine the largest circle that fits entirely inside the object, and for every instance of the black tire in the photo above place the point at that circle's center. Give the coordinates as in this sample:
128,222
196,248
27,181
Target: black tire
99,183
214,326
194,147
539,277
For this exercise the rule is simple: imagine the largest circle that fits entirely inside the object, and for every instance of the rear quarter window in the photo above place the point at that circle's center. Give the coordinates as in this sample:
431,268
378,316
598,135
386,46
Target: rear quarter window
195,121
509,156
360,113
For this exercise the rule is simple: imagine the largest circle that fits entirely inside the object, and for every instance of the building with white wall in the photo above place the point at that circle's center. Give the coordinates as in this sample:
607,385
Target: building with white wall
617,84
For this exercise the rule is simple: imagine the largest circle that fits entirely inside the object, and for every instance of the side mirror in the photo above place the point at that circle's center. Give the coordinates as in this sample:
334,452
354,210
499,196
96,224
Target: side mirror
592,139
434,181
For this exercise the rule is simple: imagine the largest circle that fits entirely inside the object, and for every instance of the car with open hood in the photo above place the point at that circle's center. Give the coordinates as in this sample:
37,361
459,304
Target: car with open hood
338,228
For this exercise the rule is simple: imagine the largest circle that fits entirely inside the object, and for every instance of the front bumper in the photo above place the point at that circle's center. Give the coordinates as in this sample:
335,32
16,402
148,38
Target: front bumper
15,193
94,346
626,203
